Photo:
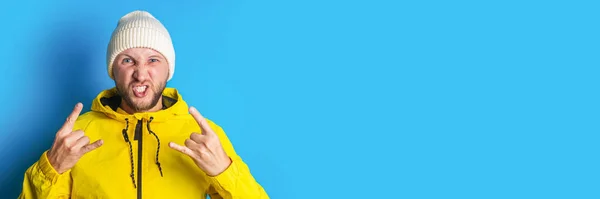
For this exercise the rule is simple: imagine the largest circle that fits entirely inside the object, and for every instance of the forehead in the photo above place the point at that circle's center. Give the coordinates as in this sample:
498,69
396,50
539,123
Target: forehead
140,52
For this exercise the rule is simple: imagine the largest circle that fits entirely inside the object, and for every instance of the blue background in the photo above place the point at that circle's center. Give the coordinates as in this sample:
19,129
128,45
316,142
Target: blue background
340,99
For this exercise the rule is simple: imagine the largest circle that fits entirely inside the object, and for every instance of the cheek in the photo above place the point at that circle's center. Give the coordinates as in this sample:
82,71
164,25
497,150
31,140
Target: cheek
121,74
159,73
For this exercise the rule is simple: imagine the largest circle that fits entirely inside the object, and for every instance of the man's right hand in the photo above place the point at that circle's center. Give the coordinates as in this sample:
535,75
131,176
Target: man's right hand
69,146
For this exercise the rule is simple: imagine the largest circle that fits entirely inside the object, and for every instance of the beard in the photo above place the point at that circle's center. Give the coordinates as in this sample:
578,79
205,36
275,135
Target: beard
126,93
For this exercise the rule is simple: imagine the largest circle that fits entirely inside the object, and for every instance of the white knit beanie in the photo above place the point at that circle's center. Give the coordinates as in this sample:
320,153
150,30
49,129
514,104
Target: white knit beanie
139,29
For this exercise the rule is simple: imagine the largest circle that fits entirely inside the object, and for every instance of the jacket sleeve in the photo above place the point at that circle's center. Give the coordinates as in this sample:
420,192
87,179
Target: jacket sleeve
236,181
42,181
213,193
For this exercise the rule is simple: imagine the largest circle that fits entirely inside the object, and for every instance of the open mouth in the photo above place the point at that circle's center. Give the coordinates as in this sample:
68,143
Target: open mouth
140,90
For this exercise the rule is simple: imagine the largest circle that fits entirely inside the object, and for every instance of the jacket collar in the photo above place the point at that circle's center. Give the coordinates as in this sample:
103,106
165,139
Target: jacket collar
108,101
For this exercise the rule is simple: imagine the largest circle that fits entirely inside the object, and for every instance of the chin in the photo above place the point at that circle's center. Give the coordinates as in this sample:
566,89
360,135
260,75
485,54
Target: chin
143,105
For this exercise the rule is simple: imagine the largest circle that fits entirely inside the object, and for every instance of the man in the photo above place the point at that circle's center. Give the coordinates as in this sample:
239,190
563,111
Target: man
130,125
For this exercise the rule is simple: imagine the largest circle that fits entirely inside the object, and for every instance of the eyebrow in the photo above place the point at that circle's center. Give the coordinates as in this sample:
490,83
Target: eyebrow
129,56
155,56
123,55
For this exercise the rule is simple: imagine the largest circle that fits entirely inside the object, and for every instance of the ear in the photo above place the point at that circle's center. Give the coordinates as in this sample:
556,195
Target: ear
113,69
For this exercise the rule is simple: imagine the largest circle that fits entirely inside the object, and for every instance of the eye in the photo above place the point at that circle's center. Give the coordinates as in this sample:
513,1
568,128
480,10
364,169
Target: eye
153,60
127,60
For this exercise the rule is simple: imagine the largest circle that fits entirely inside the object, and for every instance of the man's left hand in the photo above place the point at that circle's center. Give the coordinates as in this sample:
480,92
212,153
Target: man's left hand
205,149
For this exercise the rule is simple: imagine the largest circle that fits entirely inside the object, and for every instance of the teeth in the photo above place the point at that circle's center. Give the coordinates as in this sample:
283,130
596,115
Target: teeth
140,89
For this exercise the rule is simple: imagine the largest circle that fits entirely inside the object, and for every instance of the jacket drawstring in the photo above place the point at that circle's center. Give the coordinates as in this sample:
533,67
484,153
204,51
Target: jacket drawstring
130,151
158,149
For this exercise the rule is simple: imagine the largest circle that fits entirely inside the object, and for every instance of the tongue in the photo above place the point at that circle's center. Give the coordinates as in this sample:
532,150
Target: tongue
139,94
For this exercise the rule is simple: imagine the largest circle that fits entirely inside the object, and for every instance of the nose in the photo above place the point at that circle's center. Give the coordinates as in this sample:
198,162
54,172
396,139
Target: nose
141,73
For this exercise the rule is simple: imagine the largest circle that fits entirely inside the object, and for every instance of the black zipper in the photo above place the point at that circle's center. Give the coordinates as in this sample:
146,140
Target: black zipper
138,137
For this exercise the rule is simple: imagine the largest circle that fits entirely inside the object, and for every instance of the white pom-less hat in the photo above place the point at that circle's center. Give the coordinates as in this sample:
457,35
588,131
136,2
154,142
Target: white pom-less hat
139,29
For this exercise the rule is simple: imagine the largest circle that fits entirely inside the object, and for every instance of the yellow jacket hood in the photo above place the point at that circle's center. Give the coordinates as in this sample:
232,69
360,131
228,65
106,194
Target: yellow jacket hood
108,101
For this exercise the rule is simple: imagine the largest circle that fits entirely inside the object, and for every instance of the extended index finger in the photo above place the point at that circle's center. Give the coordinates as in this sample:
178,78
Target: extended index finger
201,121
68,125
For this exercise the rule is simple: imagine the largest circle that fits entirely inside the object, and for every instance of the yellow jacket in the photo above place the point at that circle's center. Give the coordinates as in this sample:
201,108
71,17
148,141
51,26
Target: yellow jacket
147,168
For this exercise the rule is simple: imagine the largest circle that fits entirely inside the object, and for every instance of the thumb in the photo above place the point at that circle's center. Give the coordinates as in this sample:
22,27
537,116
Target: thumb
92,146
